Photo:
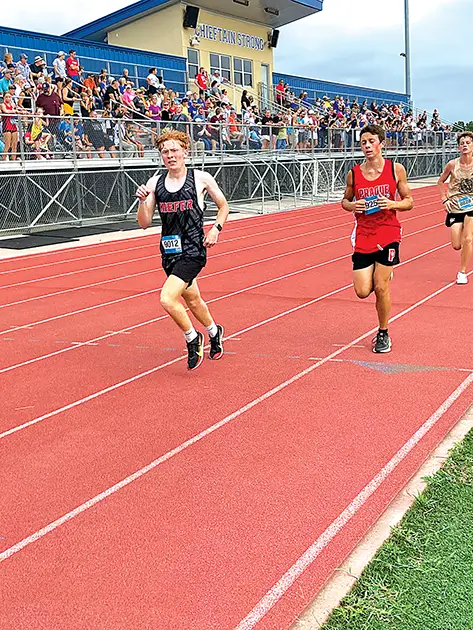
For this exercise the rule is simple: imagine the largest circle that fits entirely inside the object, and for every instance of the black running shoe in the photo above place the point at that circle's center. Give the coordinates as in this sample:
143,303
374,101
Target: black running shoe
216,345
195,352
382,343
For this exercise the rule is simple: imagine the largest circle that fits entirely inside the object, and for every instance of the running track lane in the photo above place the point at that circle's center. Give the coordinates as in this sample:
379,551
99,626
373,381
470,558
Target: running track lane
263,465
106,361
37,260
23,330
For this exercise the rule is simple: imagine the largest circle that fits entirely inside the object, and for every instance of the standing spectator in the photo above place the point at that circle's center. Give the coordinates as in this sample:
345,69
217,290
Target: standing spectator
49,101
152,81
9,126
280,91
202,81
68,97
23,69
59,65
73,68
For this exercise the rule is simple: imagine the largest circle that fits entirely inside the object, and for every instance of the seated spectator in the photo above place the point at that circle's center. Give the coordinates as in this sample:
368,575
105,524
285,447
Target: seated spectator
38,68
6,81
128,96
8,61
254,139
96,136
140,105
112,93
40,137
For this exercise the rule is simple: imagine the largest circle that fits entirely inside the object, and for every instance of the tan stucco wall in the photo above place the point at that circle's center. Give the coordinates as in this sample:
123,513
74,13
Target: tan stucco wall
158,32
163,32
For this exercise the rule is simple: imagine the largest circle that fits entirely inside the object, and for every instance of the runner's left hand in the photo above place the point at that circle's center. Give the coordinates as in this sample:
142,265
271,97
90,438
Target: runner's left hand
211,237
385,204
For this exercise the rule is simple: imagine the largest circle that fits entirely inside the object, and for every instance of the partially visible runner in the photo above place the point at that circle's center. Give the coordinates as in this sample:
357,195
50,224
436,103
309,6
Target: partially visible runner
179,197
371,194
458,200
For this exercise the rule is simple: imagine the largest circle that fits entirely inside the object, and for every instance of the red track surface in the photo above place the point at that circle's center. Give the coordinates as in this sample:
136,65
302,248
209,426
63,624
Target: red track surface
136,495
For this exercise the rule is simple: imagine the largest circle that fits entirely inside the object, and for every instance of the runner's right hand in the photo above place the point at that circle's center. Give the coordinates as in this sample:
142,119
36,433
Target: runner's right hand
360,206
142,192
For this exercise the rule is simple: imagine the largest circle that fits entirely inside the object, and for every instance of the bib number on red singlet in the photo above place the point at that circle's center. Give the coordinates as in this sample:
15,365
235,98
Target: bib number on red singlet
371,204
172,244
465,203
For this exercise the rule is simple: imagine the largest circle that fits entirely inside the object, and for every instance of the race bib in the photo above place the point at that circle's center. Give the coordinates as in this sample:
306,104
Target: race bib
372,205
172,244
465,203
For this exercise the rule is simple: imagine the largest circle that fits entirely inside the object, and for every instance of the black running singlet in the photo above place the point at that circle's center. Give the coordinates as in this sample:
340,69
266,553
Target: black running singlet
182,220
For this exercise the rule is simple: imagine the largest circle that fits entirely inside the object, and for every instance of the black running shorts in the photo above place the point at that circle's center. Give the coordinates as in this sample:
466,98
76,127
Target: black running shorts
187,269
457,217
388,256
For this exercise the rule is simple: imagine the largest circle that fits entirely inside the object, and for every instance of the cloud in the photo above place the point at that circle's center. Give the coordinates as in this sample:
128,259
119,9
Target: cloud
360,42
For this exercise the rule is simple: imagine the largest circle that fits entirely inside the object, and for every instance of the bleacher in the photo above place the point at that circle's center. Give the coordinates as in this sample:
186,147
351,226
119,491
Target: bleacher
318,88
94,56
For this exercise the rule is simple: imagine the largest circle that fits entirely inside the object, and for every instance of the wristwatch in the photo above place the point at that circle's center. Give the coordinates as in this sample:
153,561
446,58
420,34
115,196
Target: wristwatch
218,226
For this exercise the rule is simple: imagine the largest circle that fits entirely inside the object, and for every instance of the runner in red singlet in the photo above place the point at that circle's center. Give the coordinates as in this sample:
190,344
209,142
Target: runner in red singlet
374,186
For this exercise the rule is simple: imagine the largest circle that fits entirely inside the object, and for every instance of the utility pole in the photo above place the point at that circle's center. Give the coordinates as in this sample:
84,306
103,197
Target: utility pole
407,51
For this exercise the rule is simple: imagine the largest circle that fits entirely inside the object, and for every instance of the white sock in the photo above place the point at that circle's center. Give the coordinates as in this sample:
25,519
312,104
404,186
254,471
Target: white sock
212,329
190,335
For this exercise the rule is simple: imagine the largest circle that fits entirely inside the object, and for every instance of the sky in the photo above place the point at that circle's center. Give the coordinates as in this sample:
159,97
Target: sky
351,41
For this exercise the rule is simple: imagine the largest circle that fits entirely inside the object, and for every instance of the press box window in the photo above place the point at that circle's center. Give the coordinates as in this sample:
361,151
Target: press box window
192,64
221,63
243,72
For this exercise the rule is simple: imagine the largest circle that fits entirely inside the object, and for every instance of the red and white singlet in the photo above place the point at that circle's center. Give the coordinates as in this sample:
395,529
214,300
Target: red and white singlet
374,231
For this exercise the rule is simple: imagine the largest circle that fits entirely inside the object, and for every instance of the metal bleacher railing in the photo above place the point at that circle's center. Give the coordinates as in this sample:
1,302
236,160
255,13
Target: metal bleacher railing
77,139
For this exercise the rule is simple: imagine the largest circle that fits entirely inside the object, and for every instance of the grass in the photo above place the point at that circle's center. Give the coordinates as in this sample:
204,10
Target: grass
422,577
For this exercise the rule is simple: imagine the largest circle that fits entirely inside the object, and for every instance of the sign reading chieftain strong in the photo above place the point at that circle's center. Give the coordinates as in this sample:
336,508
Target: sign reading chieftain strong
227,36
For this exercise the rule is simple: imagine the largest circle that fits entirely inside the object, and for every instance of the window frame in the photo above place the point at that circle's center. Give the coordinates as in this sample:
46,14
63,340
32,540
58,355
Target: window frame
189,65
225,73
244,73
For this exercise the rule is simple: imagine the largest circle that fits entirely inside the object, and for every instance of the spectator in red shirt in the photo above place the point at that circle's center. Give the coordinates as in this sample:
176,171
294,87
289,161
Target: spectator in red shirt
72,68
202,81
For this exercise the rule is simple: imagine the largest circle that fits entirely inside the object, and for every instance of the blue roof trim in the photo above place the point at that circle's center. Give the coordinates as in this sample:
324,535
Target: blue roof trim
112,19
312,4
64,42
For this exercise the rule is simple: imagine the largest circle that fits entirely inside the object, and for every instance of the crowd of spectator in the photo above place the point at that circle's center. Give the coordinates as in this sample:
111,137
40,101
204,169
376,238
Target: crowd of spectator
60,110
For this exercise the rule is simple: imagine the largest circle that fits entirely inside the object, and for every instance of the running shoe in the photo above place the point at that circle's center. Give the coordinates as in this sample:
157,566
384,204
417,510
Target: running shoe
216,345
382,343
195,352
462,278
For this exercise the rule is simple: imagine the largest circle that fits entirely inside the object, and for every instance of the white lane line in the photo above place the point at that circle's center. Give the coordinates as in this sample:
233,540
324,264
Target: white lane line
155,244
78,271
222,297
216,273
311,554
134,260
258,245
79,247
236,334
277,591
